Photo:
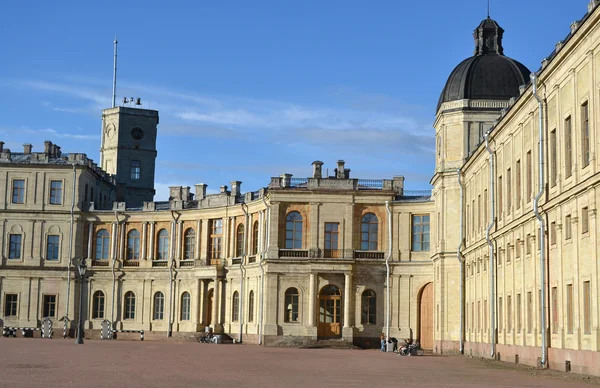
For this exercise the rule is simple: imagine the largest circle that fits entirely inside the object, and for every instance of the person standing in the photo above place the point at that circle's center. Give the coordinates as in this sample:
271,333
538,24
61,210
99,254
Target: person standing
382,338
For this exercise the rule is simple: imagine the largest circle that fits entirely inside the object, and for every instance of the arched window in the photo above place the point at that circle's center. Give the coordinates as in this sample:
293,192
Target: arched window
102,244
368,232
190,244
133,245
159,306
129,305
98,305
255,238
251,307
235,307
291,305
185,306
368,307
293,231
163,245
239,241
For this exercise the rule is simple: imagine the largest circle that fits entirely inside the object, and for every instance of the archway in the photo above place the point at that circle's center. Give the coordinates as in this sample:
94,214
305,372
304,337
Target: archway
425,334
330,307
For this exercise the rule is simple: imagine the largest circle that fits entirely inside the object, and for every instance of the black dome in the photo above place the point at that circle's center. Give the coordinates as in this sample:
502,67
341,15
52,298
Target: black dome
489,74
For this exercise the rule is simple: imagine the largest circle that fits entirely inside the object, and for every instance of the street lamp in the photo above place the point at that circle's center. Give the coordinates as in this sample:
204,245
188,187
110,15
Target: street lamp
81,268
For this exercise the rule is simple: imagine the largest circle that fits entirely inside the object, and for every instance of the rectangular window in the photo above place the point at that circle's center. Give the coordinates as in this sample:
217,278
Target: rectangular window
485,315
11,304
485,208
529,176
528,245
500,197
587,303
56,192
553,159
216,238
518,184
14,250
519,311
52,247
420,233
473,216
529,312
554,302
584,220
553,233
568,148
479,211
585,135
472,316
508,190
500,315
136,168
331,239
478,315
18,192
568,227
509,313
518,249
49,306
569,308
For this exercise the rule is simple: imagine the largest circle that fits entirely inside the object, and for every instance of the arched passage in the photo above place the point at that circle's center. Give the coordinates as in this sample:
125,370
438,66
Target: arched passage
330,307
425,334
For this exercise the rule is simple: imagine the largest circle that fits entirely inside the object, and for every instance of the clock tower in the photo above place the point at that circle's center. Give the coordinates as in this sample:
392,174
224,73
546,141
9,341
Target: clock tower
128,151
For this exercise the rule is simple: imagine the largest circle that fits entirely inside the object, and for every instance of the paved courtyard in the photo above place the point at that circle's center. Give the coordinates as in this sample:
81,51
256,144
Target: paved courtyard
33,362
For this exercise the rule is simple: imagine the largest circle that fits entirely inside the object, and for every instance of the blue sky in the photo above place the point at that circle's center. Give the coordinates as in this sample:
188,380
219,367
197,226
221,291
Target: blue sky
249,90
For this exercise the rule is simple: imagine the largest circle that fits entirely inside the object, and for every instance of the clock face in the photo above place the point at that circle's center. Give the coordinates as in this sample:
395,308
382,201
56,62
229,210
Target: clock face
137,133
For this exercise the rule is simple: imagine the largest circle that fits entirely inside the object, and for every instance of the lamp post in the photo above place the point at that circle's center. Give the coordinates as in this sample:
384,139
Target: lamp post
81,268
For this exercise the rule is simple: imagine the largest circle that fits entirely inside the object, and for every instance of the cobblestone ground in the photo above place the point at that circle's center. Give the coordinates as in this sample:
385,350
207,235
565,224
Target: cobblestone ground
32,362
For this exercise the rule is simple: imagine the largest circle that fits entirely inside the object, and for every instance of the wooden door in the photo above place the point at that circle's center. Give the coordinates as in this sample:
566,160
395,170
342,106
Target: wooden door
330,308
426,317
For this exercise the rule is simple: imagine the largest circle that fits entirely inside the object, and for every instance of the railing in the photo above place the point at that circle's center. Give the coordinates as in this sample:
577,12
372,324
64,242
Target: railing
99,263
251,259
370,183
159,263
369,255
297,182
186,263
333,253
255,194
416,193
214,261
236,261
293,253
131,263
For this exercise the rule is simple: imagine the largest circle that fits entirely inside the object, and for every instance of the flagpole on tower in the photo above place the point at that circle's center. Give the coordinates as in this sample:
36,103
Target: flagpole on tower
114,94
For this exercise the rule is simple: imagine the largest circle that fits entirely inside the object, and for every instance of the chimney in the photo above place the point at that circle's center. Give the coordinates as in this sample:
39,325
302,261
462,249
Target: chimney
224,189
47,147
236,188
200,191
347,173
340,169
317,169
27,149
1,146
398,184
185,193
174,193
58,154
286,180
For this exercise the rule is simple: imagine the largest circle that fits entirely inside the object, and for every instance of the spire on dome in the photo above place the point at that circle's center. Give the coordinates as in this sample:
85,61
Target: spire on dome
488,38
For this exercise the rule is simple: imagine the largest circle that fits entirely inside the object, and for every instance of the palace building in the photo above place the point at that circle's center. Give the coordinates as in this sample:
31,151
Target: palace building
499,260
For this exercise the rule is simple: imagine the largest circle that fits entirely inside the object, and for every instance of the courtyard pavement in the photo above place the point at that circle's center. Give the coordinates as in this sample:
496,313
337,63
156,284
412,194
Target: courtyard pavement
35,362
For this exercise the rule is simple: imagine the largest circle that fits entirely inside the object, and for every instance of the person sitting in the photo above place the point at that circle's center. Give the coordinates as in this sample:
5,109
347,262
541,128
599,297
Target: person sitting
407,345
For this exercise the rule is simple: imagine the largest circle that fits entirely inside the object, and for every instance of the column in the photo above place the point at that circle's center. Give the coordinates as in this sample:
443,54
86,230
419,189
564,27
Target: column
215,305
198,238
273,230
144,239
113,240
90,241
179,241
205,226
348,300
122,247
225,238
313,234
199,315
312,297
151,240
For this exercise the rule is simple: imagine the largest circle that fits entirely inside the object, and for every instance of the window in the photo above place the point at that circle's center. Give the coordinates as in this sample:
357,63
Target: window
14,250
163,245
133,245
553,233
49,306
293,231
18,193
216,235
255,238
331,239
11,304
56,192
136,169
529,176
485,315
485,207
587,305
519,312
500,197
52,245
368,307
509,313
369,230
478,315
528,245
508,190
472,315
102,244
518,185
185,306
98,305
500,315
584,220
568,227
554,303
235,307
190,244
568,148
251,307
585,135
479,211
420,233
291,305
159,306
569,308
129,305
529,312
518,249
239,241
553,160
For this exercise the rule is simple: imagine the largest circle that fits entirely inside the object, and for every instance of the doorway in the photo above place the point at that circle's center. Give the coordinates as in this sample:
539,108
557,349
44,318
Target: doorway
425,334
209,304
330,308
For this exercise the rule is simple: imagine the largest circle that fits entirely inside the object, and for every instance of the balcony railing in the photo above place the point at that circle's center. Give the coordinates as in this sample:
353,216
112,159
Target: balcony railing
99,263
131,263
214,261
370,183
251,259
186,263
377,255
160,263
293,253
333,253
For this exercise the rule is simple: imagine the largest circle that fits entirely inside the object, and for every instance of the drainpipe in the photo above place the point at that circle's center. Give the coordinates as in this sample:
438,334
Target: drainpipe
536,203
462,266
387,270
243,270
171,263
71,241
263,254
114,263
491,245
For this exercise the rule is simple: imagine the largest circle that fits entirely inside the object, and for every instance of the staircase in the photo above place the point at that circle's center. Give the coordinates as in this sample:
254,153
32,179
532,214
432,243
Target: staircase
337,343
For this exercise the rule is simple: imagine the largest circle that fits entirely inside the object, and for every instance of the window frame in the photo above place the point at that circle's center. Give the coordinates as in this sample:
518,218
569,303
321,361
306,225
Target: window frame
129,312
52,248
11,307
133,244
216,238
162,246
235,307
568,131
102,245
369,232
585,135
98,303
368,311
186,306
158,306
255,238
294,230
292,298
189,241
251,306
18,192
239,240
15,248
136,170
49,305
56,193
421,233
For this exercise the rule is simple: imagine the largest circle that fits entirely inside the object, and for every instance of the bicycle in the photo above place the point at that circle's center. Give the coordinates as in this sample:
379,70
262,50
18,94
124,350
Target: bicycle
411,350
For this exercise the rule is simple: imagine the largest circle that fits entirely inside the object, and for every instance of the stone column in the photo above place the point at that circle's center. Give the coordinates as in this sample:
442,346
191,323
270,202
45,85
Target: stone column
312,235
199,305
273,230
90,242
180,240
215,306
312,297
225,238
198,238
144,238
122,238
348,300
151,242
